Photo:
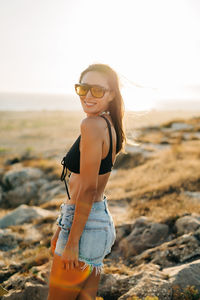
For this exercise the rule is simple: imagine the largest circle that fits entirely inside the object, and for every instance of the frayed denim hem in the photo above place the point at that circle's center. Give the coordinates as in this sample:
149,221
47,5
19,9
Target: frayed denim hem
98,267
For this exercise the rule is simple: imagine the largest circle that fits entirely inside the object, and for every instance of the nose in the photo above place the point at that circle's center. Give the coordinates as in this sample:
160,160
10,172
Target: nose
88,95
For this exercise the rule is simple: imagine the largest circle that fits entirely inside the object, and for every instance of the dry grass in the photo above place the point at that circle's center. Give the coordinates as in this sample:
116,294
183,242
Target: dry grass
40,133
118,268
49,133
155,188
36,256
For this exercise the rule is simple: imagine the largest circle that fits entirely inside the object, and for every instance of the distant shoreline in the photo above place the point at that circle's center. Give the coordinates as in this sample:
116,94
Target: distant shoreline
70,102
137,118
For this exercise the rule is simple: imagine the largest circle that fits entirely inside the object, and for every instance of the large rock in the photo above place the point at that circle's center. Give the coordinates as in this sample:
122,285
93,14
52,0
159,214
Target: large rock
181,126
6,273
112,286
149,287
15,178
24,214
32,193
176,251
150,281
8,240
122,231
31,291
49,190
185,274
145,280
14,280
23,194
187,224
144,235
195,195
28,186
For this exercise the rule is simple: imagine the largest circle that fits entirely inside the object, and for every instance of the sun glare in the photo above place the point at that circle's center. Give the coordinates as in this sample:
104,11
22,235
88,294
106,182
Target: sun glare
138,99
143,46
153,43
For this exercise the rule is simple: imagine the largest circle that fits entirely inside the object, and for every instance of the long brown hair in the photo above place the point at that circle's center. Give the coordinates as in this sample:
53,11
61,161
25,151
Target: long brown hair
116,106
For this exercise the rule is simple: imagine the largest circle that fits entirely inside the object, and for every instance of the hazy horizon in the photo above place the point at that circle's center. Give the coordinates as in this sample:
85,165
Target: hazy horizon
69,102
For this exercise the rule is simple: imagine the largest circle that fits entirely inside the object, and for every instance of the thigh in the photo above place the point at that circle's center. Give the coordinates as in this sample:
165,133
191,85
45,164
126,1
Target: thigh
90,287
66,283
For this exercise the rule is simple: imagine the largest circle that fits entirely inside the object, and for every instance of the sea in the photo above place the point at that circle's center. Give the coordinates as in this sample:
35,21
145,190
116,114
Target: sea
68,102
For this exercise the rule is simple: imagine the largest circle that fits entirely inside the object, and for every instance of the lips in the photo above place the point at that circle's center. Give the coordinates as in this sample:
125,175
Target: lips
89,103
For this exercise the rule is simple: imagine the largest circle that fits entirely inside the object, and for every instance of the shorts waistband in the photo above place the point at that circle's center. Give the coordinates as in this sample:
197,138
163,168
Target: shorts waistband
100,205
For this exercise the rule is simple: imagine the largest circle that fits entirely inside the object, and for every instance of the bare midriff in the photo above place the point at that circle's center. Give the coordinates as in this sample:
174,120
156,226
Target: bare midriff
74,183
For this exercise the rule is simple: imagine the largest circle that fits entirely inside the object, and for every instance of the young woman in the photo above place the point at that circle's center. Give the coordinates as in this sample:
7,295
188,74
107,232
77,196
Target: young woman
86,230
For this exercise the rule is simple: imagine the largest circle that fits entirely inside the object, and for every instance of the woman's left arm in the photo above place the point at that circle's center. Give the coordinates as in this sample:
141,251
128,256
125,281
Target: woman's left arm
90,160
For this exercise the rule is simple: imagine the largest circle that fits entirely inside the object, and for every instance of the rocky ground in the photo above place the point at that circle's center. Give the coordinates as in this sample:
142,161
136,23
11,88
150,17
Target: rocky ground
154,197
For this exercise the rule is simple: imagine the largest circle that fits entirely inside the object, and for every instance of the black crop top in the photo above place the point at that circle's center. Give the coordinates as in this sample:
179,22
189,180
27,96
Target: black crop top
71,161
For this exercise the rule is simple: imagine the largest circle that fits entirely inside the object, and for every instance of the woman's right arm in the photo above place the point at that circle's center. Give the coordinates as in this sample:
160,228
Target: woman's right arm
55,236
54,239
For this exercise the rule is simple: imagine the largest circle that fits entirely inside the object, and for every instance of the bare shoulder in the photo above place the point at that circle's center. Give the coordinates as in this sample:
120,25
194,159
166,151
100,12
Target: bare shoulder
93,124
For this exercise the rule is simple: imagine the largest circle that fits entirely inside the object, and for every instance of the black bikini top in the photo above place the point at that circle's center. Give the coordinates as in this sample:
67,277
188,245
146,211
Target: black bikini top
71,161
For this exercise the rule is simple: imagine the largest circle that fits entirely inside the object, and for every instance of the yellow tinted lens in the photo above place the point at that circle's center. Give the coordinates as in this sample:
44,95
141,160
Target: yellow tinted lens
81,90
97,92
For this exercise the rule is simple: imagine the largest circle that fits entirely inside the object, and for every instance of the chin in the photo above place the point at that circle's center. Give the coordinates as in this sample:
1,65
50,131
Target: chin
91,113
89,110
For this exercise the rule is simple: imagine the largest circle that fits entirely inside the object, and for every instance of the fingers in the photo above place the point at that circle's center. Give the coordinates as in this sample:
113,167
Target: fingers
67,264
76,264
64,266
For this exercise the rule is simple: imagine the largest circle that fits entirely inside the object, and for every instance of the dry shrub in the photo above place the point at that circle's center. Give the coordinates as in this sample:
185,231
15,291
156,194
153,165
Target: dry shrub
35,257
188,293
146,298
120,269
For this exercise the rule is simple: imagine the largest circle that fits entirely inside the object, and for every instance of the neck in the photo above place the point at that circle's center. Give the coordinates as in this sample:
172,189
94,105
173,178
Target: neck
101,113
104,112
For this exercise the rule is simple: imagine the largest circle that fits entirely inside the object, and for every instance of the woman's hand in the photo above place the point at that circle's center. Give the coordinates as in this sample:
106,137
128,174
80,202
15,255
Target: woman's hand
54,240
70,255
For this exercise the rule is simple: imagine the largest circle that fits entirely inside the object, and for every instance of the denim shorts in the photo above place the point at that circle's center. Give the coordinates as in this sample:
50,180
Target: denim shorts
97,238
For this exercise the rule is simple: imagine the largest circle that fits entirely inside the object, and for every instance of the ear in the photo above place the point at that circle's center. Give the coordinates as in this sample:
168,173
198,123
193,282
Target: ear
111,96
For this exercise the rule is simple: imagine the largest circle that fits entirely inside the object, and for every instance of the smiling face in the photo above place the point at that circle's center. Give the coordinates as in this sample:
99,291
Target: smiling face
94,106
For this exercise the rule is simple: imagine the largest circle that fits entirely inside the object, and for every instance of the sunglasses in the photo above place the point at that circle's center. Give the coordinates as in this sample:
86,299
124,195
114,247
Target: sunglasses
96,90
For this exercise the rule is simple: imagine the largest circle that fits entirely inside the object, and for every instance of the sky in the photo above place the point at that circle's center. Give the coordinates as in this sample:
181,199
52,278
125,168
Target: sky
45,45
